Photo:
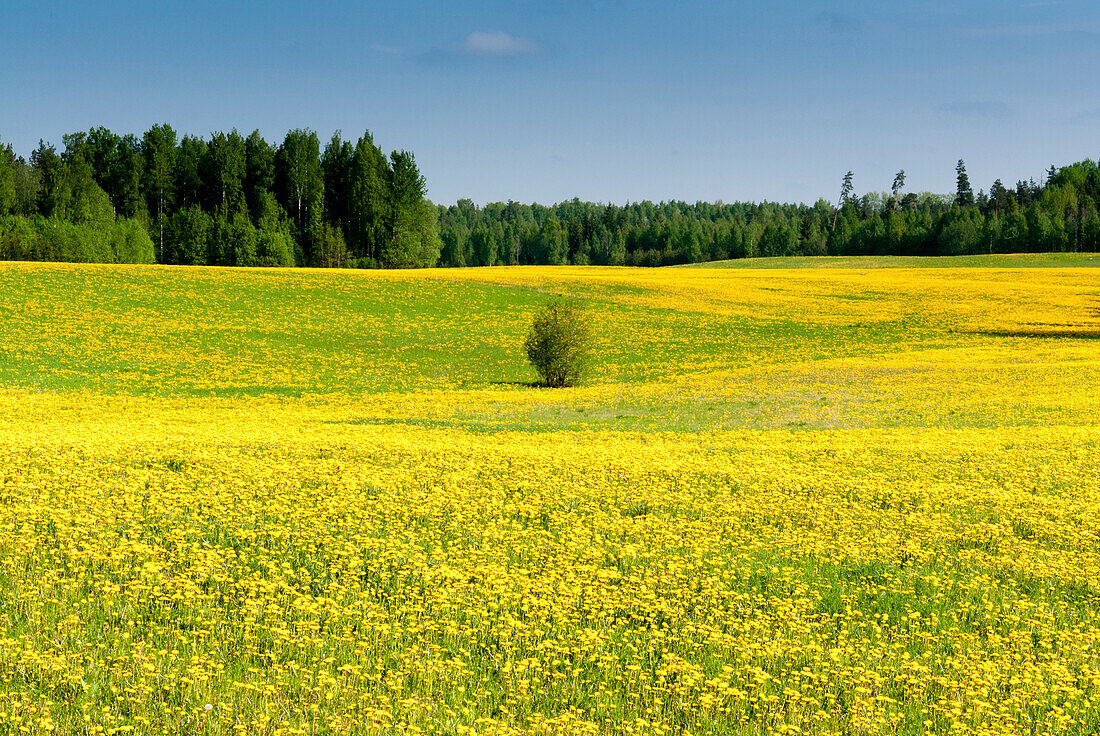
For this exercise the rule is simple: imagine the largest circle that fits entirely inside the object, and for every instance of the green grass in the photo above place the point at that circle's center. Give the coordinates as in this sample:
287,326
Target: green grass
210,332
205,332
997,260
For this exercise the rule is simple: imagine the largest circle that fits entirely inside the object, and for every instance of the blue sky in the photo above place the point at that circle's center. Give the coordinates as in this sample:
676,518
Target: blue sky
604,100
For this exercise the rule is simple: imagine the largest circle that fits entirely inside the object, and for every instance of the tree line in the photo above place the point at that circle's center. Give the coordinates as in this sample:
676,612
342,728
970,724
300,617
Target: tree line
228,200
1061,214
242,201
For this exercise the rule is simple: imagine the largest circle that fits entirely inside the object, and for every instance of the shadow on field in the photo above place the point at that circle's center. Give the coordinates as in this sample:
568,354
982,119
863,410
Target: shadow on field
1087,328
526,384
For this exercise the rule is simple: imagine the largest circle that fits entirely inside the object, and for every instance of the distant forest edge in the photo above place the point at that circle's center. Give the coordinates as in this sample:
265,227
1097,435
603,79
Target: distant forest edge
242,201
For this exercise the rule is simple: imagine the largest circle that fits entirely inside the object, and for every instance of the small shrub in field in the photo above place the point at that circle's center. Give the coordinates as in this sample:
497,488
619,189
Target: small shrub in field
559,344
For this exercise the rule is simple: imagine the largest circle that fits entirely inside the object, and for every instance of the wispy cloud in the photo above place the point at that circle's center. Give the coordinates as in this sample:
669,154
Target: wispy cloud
989,109
481,45
496,44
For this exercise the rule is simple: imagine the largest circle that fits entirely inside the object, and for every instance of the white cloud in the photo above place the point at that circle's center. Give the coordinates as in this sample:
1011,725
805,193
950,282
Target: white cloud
496,43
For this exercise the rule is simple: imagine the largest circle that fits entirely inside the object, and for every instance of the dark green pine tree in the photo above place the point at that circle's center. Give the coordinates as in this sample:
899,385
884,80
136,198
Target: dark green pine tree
895,190
412,224
845,195
259,173
336,167
998,196
7,179
54,192
964,195
130,177
90,203
188,183
101,151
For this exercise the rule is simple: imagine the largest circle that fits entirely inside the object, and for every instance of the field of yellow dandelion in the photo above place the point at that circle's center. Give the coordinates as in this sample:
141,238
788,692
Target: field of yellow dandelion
818,500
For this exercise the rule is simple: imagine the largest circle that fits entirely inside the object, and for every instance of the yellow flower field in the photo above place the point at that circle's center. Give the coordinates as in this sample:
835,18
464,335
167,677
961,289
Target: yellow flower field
787,501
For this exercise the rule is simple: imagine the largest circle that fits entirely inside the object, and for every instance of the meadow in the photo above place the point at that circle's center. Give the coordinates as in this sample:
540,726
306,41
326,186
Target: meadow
859,499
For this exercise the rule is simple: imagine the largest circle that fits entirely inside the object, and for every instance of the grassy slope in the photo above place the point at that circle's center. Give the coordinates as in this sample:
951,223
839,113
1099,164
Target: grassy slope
677,349
858,486
171,331
1007,260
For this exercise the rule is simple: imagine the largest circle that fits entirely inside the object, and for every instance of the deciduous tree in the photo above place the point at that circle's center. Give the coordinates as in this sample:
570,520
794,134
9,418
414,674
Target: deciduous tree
158,148
300,185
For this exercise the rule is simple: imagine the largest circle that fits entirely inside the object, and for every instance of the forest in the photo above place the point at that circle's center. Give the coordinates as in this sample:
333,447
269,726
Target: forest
233,200
1059,215
225,201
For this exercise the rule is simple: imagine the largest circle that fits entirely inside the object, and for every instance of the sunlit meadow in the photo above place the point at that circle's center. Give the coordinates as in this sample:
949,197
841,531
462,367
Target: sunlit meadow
846,500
